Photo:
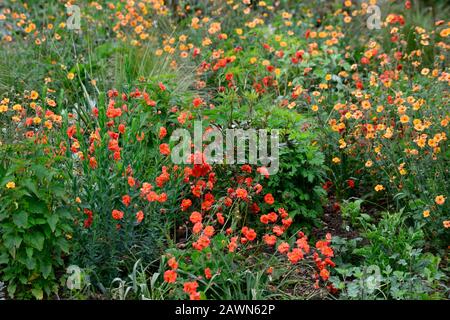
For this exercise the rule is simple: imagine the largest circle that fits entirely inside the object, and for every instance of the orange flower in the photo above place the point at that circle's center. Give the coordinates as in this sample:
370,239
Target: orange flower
131,181
170,276
283,247
172,263
270,240
295,255
324,274
195,217
440,200
209,231
197,228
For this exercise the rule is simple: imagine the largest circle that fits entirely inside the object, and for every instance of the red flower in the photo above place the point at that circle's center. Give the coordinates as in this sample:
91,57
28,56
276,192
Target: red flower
264,219
229,76
250,234
194,296
190,287
170,276
126,199
272,217
208,274
88,221
351,183
185,204
117,214
139,216
241,193
162,132
197,102
92,162
164,149
268,198
220,218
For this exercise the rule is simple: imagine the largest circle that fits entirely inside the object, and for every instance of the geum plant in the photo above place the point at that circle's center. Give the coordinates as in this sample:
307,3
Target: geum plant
190,206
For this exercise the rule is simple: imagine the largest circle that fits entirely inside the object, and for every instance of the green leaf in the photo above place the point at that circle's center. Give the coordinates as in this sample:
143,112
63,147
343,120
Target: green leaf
4,258
11,289
37,293
36,206
52,221
31,186
20,219
35,239
12,240
46,268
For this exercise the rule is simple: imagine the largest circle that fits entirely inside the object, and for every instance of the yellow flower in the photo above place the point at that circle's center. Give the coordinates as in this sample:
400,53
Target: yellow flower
439,200
315,108
379,187
70,75
10,185
34,95
17,107
336,160
404,119
426,213
369,163
425,71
